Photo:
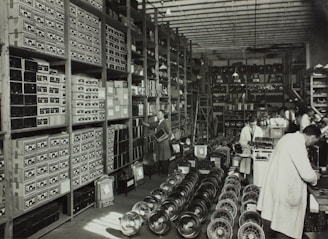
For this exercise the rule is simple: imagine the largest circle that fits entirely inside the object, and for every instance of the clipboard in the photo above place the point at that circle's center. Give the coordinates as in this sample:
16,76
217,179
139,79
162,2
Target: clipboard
161,135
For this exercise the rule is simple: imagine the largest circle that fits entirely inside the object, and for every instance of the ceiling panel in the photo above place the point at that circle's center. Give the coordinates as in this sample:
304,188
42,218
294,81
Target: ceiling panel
221,27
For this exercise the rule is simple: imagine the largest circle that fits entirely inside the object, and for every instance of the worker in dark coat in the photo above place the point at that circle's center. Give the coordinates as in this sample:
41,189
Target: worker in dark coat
163,149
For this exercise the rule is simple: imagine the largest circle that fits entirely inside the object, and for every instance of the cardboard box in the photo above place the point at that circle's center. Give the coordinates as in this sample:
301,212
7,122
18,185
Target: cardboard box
84,178
53,167
41,156
25,203
24,146
24,161
41,183
42,143
54,191
22,40
25,174
21,25
42,169
53,179
42,196
76,159
76,181
51,48
24,189
20,10
42,121
59,15
64,186
63,175
122,96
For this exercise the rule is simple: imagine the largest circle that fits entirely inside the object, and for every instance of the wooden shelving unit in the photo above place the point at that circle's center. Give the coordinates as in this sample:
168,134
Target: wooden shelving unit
316,88
149,55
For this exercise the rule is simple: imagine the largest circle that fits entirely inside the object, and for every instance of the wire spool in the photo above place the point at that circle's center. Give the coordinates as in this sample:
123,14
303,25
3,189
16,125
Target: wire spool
233,177
159,222
131,223
172,180
208,189
229,195
171,207
223,213
142,208
199,208
152,202
159,193
167,187
180,200
184,190
193,175
205,199
234,182
219,229
190,182
245,205
214,180
188,225
229,205
231,187
248,196
250,230
178,175
217,172
251,188
250,216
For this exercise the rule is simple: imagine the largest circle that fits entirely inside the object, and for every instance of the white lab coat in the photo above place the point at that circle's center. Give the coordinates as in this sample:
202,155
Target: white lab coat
283,197
245,136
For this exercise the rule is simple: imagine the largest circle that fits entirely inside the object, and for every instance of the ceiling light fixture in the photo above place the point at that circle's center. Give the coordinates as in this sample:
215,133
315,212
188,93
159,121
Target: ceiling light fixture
235,75
163,66
168,10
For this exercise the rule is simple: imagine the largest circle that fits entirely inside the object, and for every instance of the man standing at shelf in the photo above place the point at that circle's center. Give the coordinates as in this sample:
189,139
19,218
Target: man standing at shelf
283,197
247,136
163,149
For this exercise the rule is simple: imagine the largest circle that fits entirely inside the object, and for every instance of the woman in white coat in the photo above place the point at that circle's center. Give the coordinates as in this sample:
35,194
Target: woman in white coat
283,197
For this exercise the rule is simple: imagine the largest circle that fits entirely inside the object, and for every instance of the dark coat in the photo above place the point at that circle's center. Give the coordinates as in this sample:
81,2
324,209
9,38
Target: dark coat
163,149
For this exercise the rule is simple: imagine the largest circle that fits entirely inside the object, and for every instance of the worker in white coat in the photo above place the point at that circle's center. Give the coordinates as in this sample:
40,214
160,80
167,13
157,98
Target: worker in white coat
283,197
247,136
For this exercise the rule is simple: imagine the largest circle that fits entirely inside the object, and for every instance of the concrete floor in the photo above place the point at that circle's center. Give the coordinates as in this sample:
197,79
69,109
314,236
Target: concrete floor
99,223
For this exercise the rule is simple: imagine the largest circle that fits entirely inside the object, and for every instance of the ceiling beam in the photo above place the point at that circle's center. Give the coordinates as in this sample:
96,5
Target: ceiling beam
216,4
247,32
248,27
238,21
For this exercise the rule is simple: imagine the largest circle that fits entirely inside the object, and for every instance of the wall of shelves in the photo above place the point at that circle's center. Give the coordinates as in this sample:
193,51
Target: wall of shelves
259,84
80,77
316,88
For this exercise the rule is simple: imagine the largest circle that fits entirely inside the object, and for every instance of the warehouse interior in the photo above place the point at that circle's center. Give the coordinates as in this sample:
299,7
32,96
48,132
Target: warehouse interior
135,118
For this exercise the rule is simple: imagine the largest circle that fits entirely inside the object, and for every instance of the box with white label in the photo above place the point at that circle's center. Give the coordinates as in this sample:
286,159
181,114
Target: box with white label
25,174
22,40
23,161
20,10
24,189
25,203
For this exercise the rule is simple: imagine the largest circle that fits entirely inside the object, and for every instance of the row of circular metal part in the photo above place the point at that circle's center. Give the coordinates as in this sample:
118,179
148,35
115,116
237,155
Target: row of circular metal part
141,212
196,213
159,221
226,211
